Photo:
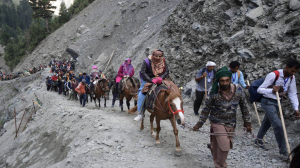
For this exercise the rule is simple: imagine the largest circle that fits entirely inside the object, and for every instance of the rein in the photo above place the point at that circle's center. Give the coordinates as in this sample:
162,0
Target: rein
161,107
242,132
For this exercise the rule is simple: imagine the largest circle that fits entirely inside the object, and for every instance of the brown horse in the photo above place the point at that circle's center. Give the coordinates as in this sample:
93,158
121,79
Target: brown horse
100,88
131,88
168,105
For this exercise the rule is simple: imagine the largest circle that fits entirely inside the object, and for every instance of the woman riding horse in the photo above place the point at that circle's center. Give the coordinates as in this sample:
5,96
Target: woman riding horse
125,70
154,70
167,102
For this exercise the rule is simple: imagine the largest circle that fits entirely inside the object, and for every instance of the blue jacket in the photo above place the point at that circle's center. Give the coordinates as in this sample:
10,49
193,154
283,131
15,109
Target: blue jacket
87,79
236,80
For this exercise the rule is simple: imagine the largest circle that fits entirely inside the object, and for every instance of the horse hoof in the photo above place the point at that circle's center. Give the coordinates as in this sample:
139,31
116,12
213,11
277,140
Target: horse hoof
158,145
154,135
177,153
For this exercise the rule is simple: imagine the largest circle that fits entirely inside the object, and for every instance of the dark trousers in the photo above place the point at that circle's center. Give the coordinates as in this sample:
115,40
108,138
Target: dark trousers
82,97
198,101
115,95
48,87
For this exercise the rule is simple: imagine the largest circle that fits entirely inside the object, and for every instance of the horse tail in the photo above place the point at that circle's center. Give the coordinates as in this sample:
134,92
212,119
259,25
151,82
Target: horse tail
131,80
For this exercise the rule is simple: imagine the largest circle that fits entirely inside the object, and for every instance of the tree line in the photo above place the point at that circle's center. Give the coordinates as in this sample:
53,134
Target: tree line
24,26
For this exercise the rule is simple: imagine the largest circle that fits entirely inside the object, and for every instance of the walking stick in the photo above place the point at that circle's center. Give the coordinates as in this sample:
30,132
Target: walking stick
283,126
205,88
255,108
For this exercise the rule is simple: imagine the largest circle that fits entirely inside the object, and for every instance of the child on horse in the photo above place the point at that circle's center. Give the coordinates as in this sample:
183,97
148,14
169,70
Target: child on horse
125,70
154,70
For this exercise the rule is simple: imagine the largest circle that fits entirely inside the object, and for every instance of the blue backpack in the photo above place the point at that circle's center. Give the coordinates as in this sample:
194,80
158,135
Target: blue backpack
148,65
254,96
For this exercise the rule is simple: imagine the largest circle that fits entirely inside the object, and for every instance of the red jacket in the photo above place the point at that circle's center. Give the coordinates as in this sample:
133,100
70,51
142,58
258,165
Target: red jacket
80,89
54,78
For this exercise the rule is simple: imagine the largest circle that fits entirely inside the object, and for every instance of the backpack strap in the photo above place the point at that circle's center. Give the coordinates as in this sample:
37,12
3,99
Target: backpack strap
277,75
147,62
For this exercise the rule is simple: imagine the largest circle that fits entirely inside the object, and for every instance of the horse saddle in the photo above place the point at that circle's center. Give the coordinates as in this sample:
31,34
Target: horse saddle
151,96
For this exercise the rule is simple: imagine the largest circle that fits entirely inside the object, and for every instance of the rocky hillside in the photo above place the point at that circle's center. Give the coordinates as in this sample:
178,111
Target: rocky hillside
261,34
129,28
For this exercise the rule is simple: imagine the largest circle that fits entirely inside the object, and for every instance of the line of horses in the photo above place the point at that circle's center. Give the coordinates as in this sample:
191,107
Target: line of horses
168,104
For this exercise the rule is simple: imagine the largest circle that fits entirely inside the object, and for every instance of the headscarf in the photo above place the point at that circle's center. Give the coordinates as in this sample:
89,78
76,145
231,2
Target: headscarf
158,63
223,72
127,67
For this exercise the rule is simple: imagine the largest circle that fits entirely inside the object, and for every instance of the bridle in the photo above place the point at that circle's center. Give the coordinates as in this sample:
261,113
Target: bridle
172,112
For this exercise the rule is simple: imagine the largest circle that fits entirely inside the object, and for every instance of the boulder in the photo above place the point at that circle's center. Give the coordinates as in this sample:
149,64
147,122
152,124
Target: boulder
83,29
144,4
252,15
294,4
245,53
236,37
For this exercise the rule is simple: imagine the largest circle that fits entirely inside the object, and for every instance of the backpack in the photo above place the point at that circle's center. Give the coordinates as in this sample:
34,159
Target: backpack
148,65
254,96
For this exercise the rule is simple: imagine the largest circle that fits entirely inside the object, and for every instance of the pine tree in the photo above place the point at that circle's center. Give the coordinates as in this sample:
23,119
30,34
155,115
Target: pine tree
42,8
63,13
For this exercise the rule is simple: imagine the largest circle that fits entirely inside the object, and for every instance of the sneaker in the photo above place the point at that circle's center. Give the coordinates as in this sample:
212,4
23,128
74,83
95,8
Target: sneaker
138,117
260,144
196,113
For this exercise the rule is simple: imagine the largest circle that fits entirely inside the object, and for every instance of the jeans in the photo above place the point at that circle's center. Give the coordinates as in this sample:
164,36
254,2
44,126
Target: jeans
141,98
271,118
198,101
83,96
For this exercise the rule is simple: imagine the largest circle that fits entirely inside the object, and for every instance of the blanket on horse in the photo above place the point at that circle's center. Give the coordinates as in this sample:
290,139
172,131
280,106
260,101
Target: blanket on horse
153,90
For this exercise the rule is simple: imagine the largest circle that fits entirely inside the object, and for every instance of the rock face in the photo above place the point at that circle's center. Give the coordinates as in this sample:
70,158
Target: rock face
255,33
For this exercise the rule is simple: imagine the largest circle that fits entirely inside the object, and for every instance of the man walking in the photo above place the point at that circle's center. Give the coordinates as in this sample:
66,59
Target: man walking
237,76
221,108
209,73
282,81
81,91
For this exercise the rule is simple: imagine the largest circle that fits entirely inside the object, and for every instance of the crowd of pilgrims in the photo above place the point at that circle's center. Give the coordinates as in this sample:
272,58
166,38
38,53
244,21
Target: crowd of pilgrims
224,85
26,72
64,81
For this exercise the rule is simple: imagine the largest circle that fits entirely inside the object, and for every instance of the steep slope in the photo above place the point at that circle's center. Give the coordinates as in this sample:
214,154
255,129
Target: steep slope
126,27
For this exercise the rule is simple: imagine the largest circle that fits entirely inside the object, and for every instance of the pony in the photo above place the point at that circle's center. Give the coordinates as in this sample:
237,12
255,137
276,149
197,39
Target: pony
131,87
168,104
100,89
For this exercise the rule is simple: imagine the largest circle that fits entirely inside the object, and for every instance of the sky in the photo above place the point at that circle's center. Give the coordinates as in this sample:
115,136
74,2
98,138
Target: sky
58,2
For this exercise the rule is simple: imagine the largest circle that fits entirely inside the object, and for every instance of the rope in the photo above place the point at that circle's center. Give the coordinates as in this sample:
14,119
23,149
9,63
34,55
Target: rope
237,133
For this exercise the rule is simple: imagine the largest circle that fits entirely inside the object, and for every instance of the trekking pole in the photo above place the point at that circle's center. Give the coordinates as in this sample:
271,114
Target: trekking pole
283,126
255,108
205,88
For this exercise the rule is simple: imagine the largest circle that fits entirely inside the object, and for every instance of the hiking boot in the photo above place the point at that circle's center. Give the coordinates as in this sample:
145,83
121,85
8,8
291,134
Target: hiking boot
260,144
196,113
138,117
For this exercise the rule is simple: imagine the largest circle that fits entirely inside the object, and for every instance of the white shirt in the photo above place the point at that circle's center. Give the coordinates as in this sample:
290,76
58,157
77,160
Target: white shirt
290,85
